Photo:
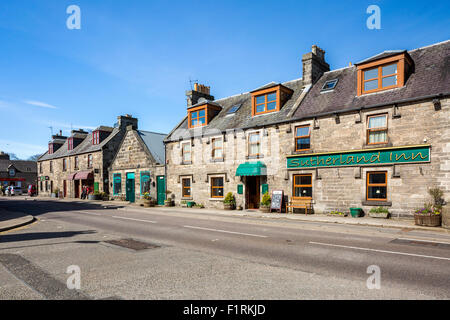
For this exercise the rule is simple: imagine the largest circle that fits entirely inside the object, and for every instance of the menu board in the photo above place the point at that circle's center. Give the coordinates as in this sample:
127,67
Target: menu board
277,200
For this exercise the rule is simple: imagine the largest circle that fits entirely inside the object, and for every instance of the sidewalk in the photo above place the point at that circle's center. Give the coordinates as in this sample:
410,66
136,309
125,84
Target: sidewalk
10,220
400,223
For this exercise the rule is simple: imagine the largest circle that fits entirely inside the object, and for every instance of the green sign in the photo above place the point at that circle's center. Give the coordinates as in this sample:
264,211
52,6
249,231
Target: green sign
398,155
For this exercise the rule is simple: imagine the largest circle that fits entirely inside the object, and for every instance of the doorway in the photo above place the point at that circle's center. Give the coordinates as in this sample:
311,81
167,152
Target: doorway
76,184
252,192
161,189
130,196
65,188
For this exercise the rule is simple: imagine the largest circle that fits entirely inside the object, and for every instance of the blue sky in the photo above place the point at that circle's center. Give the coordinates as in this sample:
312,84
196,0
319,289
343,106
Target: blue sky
137,56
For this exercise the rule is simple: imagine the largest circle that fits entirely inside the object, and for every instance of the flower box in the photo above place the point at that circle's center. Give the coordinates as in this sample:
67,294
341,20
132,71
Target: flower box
428,220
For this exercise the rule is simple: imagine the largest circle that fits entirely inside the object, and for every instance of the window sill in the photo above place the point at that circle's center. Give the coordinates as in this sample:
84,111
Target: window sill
187,198
216,199
303,151
186,163
377,145
377,203
218,160
254,157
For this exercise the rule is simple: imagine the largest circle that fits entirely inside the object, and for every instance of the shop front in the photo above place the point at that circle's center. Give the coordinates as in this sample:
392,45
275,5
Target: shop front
253,175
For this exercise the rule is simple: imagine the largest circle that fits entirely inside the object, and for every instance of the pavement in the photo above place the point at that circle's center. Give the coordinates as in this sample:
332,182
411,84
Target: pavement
400,223
13,219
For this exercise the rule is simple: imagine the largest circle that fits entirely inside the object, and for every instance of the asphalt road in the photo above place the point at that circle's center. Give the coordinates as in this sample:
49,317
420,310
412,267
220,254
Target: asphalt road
213,256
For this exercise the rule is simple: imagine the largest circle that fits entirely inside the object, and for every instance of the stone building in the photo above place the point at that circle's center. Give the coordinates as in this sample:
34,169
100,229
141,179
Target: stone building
19,173
376,133
138,166
81,159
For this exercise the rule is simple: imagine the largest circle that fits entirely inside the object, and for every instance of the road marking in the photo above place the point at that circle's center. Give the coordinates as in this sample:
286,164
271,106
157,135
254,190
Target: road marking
382,251
134,219
225,231
92,213
421,240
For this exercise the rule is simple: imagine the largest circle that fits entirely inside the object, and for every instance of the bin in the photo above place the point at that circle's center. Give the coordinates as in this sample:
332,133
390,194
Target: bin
190,204
356,212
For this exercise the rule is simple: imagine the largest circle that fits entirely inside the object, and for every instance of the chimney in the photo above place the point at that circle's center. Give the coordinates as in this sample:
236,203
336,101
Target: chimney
127,120
200,91
314,65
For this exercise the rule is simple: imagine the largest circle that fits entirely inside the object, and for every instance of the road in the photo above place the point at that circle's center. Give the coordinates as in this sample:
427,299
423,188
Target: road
202,255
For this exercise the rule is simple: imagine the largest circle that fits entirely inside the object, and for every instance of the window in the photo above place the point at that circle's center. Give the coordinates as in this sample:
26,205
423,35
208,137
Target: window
197,118
70,144
266,103
377,186
96,137
117,183
186,152
51,166
302,138
89,163
50,148
40,167
254,144
186,184
46,185
329,85
381,77
76,163
234,108
302,186
217,187
377,129
217,148
64,164
145,182
40,186
12,172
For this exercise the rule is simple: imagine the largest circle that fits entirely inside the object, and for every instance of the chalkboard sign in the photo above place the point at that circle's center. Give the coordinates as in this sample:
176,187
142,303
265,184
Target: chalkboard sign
277,200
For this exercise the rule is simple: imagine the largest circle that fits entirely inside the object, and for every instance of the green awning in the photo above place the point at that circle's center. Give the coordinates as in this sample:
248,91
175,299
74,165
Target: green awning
251,169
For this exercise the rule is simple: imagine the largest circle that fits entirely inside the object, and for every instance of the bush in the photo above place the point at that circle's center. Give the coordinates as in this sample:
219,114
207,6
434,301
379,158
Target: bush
147,196
379,210
436,194
229,199
265,202
429,209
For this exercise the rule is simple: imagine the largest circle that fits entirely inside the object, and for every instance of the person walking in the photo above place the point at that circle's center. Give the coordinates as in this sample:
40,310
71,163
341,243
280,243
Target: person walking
12,190
83,193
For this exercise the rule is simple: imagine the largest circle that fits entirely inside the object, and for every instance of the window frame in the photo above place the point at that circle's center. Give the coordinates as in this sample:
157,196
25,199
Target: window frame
40,167
257,143
50,148
115,193
64,164
51,166
266,102
203,108
75,163
369,130
368,173
334,81
212,187
96,137
302,137
213,148
90,161
301,185
379,78
183,188
183,153
70,144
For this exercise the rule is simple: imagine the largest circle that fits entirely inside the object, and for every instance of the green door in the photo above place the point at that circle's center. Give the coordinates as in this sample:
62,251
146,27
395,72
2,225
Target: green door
130,187
161,189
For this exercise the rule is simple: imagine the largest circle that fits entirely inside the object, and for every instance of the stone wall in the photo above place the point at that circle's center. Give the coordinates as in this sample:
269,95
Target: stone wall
333,188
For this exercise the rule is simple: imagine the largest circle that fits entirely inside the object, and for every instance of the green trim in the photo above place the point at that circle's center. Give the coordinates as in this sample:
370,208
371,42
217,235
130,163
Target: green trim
117,178
397,155
145,176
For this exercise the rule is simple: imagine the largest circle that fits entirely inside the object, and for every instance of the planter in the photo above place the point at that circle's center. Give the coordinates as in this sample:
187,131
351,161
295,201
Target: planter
431,220
239,208
340,214
228,206
168,203
265,209
356,212
383,215
93,197
148,203
54,195
446,217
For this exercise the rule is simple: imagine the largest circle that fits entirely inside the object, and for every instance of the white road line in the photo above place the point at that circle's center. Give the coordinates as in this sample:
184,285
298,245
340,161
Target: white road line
421,240
134,219
376,250
225,231
93,213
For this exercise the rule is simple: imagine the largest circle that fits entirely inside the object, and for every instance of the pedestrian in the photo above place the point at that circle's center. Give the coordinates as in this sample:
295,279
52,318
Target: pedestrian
83,193
12,190
1,190
7,191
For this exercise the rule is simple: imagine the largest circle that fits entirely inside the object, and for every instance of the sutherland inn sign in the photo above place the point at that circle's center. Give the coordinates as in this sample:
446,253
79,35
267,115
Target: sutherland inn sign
396,155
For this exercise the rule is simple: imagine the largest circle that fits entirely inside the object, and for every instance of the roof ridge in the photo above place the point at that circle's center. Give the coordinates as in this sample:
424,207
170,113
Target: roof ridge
163,134
430,45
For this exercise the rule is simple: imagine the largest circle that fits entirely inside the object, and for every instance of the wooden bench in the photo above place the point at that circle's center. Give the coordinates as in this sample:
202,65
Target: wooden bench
300,203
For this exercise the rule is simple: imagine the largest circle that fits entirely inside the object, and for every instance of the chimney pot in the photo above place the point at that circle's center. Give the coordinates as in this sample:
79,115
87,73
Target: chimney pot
314,65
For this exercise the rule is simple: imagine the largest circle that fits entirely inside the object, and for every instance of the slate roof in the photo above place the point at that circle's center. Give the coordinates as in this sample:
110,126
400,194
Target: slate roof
155,144
242,118
431,76
85,146
382,55
20,165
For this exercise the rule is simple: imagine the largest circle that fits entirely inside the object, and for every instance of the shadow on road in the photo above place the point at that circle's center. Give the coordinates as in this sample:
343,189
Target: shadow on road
36,207
41,235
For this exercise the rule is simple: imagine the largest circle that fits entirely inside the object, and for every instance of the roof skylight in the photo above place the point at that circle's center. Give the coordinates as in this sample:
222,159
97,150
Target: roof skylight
329,85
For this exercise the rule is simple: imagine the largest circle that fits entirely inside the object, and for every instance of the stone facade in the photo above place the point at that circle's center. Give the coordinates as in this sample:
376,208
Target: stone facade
133,156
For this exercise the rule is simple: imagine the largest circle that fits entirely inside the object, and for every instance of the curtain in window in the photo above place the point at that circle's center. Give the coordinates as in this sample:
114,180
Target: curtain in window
377,136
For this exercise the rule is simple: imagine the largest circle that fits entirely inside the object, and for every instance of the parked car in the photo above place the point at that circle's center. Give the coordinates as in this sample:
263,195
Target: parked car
32,190
17,190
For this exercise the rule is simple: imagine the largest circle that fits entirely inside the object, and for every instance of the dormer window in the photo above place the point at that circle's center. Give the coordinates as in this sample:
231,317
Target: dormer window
383,74
201,114
198,118
96,137
50,148
270,99
70,144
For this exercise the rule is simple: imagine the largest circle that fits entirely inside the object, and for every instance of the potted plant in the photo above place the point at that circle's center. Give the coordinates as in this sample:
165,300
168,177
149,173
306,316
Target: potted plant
379,212
338,213
428,216
104,196
199,205
265,203
169,199
229,202
94,196
55,193
148,201
183,203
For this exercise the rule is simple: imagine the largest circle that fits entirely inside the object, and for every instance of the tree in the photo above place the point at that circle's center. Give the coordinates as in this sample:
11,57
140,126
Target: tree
12,156
34,157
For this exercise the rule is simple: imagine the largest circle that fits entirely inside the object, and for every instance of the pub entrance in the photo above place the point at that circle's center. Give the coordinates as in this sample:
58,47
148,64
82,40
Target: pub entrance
252,191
